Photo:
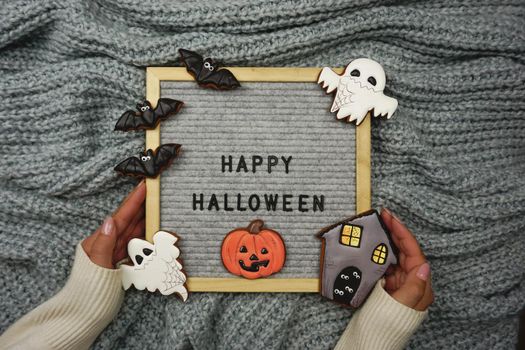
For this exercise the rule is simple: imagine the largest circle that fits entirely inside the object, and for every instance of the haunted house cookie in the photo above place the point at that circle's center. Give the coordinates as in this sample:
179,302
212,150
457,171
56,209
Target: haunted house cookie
150,163
207,72
253,252
155,266
147,117
359,90
355,254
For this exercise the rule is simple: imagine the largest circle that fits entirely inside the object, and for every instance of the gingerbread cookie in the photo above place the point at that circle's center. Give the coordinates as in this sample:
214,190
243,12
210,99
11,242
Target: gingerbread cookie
155,266
359,90
149,163
146,117
355,254
253,252
207,72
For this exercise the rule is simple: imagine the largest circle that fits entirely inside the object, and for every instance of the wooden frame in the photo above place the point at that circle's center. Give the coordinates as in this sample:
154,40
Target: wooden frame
154,75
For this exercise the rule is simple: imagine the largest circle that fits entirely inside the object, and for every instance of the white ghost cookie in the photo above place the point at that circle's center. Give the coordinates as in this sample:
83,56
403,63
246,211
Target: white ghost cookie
359,90
155,266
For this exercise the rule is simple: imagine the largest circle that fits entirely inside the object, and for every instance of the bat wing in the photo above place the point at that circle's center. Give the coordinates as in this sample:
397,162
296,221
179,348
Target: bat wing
166,107
192,60
165,155
131,166
329,79
222,79
384,106
129,120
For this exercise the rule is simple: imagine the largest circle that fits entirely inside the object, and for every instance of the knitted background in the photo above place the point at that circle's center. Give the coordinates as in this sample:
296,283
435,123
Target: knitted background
451,162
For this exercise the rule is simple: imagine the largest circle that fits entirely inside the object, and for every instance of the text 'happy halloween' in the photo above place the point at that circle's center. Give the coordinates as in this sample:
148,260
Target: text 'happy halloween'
285,202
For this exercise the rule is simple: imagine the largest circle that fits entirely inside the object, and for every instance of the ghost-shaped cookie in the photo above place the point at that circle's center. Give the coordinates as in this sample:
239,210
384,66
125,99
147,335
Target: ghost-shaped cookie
155,266
359,90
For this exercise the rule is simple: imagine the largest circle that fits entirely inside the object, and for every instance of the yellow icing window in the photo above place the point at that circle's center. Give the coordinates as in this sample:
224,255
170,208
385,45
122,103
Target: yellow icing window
379,254
351,235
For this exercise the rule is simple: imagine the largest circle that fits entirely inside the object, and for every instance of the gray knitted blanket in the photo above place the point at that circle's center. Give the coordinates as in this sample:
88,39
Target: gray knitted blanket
451,162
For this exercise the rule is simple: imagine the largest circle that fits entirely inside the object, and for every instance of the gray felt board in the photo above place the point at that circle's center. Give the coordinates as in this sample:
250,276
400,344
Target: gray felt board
276,120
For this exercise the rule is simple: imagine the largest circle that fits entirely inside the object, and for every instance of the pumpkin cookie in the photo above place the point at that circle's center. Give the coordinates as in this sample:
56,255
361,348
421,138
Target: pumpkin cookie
253,252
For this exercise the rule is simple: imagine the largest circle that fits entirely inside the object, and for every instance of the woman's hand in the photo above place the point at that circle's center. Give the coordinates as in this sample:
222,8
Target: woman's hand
108,244
409,281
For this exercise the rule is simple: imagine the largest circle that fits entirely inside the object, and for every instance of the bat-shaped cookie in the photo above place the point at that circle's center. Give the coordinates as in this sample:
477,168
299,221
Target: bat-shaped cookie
146,118
149,163
207,72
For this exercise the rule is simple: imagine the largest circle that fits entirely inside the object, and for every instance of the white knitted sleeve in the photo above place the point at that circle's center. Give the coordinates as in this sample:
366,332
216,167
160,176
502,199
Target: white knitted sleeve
382,323
74,317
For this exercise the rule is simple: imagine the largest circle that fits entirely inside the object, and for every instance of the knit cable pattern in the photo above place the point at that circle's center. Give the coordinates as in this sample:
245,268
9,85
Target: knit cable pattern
451,162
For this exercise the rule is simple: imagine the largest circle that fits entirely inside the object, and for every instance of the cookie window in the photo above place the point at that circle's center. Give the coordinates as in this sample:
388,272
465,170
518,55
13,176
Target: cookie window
351,235
379,254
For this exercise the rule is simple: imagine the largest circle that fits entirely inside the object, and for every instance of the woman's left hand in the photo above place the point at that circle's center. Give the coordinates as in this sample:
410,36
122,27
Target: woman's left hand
409,281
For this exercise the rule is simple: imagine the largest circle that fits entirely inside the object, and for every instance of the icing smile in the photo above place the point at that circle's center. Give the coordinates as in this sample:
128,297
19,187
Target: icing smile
254,266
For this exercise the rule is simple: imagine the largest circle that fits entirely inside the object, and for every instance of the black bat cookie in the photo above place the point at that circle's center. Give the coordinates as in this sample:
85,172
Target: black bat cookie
207,72
149,163
146,117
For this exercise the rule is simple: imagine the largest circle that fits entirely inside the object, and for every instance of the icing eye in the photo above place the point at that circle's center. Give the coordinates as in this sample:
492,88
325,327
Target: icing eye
350,290
147,251
147,107
243,249
356,275
345,277
338,292
143,109
264,251
208,66
355,73
372,81
143,158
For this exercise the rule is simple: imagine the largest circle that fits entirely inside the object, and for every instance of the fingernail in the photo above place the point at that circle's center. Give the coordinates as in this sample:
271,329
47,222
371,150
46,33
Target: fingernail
108,226
394,217
423,272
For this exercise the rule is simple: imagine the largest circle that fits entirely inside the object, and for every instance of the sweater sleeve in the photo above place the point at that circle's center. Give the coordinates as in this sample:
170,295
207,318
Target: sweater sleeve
382,323
74,317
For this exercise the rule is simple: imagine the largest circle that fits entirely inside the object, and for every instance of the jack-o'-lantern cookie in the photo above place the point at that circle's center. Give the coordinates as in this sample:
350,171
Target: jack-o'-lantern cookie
253,252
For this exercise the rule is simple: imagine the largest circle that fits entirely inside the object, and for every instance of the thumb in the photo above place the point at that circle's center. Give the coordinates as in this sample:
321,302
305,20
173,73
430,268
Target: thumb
102,249
413,290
